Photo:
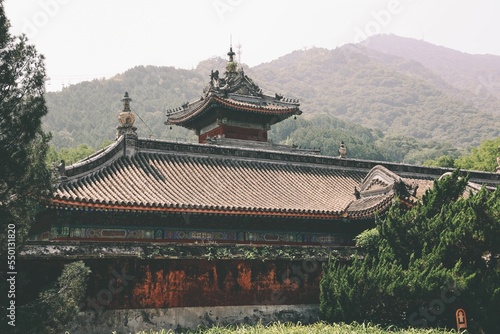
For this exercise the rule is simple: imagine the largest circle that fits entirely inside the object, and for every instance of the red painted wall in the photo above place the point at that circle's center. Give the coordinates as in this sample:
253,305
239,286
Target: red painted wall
132,283
225,283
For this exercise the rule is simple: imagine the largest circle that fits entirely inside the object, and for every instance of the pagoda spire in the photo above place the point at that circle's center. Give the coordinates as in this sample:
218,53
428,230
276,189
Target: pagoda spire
231,54
231,64
126,102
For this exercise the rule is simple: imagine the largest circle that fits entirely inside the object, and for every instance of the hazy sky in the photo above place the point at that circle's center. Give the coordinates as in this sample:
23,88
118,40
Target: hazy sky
86,39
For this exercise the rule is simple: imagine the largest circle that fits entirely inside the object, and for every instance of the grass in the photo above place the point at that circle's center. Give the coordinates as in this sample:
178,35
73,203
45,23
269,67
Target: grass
319,327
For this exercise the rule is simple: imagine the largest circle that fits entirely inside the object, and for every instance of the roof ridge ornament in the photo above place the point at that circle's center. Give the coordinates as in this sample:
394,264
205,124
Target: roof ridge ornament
231,64
126,119
126,102
342,150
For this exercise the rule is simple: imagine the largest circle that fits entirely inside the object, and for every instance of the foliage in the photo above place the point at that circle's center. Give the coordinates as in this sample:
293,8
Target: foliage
215,251
474,75
24,177
58,305
424,263
327,132
482,157
441,161
368,240
23,145
395,95
69,155
351,84
319,327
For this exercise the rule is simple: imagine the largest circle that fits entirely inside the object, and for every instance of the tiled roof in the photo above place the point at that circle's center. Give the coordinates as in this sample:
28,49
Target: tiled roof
369,205
157,176
235,92
173,182
377,191
263,105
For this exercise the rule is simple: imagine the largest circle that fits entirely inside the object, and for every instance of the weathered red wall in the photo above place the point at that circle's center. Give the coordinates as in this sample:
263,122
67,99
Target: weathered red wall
223,283
131,283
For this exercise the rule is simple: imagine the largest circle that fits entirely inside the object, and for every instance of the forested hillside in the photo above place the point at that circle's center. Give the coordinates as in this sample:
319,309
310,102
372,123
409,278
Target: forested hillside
383,105
479,75
87,113
357,85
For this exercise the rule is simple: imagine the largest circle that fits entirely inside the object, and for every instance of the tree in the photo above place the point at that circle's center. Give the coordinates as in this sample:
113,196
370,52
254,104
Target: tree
57,305
482,157
442,161
24,177
420,264
69,155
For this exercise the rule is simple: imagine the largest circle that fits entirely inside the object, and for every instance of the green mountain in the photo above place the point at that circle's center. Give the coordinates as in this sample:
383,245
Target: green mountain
385,105
393,94
476,74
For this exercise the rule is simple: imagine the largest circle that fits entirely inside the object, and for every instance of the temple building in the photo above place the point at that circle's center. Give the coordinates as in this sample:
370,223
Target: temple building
233,228
233,107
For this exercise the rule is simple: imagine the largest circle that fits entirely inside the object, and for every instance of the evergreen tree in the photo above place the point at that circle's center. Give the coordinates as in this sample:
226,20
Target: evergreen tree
419,265
24,177
57,305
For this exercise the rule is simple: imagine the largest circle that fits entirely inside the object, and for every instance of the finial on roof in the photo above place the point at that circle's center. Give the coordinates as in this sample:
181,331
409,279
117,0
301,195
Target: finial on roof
126,118
231,53
231,64
357,193
343,150
126,102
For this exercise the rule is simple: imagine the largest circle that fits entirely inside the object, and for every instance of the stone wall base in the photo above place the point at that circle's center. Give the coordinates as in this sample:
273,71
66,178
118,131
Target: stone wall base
133,320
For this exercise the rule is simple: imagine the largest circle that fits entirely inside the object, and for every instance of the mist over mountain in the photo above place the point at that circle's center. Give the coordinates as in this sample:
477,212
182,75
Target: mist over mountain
389,86
478,74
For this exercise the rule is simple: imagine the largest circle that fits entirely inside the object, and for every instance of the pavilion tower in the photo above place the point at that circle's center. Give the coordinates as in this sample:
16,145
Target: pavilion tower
234,107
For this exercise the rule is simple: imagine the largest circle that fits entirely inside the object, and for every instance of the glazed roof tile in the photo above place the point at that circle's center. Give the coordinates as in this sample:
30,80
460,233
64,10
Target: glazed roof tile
177,177
263,105
369,205
167,181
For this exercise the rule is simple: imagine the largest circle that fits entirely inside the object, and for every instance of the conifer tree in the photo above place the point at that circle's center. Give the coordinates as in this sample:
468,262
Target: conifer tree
419,265
24,176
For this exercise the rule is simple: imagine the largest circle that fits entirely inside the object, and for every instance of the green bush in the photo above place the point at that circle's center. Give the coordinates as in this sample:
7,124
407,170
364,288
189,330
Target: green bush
424,264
